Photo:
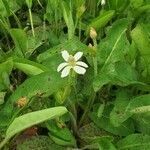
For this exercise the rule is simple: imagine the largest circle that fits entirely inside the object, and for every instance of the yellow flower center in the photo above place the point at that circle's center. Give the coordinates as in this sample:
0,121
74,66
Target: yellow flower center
71,61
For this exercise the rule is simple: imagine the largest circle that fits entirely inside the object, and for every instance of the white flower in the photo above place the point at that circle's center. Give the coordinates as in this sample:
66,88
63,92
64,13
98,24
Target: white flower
103,2
72,63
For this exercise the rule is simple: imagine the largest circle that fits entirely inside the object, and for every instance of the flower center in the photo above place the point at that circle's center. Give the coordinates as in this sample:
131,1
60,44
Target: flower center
71,61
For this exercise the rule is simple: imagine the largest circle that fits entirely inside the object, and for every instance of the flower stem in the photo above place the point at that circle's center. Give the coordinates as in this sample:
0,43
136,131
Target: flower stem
93,95
89,105
67,89
31,21
95,57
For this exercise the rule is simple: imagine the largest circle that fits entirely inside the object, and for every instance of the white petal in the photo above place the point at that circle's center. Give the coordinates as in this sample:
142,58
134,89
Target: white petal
78,55
61,66
65,71
103,2
65,55
79,70
80,63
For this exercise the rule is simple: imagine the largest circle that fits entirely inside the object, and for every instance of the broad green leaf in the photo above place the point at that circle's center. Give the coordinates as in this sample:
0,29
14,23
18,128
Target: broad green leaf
61,136
101,20
110,50
5,70
42,35
137,108
39,142
20,39
13,6
134,142
113,67
106,144
124,129
53,11
119,6
142,9
29,67
119,114
33,118
139,101
43,84
3,9
125,107
142,122
28,120
142,109
67,13
90,133
141,118
114,46
142,42
119,73
136,3
64,137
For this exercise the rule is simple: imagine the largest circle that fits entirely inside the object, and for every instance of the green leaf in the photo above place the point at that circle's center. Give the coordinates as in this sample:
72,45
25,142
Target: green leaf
119,6
67,13
3,9
119,73
64,137
141,39
29,3
111,53
39,142
42,35
139,101
101,20
142,123
134,142
29,67
110,50
28,120
43,84
106,144
20,39
142,109
61,136
33,118
141,118
124,129
125,107
5,70
90,133
136,3
119,114
2,95
114,46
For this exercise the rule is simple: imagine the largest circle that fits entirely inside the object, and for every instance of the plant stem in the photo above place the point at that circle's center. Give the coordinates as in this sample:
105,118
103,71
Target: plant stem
39,3
95,57
31,21
89,105
95,65
92,98
74,123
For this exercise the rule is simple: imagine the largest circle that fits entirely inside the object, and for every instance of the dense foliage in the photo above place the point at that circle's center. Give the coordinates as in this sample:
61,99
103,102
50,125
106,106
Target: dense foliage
107,107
